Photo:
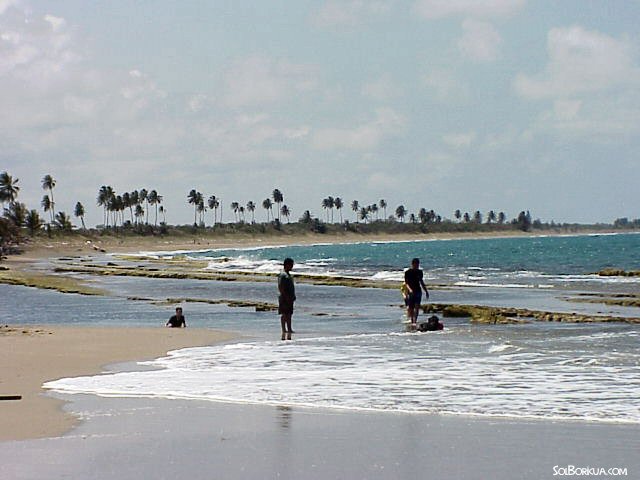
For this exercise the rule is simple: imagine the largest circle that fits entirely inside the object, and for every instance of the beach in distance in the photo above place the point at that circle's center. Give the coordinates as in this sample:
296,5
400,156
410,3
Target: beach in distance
227,384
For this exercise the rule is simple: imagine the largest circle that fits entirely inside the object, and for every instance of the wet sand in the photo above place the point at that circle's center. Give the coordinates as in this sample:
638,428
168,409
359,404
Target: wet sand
132,439
31,356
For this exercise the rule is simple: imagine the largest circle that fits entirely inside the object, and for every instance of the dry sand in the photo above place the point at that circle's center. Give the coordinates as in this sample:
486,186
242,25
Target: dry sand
31,356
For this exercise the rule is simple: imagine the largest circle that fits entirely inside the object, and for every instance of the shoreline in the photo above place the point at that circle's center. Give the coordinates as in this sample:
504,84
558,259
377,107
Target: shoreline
35,355
41,247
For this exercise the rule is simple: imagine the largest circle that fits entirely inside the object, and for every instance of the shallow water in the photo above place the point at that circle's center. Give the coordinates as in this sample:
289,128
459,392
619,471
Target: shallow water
351,349
522,262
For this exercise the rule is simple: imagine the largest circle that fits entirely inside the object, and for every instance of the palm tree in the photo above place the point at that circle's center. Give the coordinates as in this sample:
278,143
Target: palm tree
491,216
163,211
115,205
306,217
193,200
332,203
8,188
364,214
135,198
477,217
355,206
126,203
213,204
412,218
79,212
466,218
152,199
328,204
63,222
383,205
457,214
338,204
501,218
143,196
423,215
267,205
33,222
278,198
401,212
374,209
285,212
139,213
201,208
46,205
252,208
16,213
47,184
104,195
235,206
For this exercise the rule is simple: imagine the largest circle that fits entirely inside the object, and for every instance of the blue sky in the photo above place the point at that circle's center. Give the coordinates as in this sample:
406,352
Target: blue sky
500,104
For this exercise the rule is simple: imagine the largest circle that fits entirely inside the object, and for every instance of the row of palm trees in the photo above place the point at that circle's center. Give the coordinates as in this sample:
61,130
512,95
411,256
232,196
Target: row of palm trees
139,203
17,215
114,206
213,203
365,213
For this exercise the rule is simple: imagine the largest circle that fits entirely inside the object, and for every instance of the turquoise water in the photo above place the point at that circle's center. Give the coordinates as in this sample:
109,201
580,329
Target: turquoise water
520,261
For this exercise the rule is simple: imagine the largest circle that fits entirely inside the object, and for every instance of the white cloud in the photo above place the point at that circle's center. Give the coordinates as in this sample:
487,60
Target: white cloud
259,80
593,82
566,109
460,140
480,41
5,4
35,50
382,89
57,23
443,85
580,62
367,136
602,119
433,9
348,13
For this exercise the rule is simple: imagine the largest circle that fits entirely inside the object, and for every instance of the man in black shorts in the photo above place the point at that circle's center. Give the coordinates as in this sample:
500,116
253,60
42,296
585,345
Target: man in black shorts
415,284
286,298
177,320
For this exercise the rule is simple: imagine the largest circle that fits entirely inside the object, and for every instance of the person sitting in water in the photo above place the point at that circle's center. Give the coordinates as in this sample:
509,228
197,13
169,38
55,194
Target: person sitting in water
432,324
177,320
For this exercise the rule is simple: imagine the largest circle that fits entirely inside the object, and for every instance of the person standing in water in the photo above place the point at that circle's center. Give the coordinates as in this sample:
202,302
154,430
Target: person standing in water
414,284
286,298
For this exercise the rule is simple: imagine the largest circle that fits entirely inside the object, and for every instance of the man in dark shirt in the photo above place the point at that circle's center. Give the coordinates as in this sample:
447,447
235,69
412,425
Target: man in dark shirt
177,320
415,284
286,298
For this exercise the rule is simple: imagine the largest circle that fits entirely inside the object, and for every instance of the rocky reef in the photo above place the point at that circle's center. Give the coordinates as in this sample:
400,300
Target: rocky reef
502,315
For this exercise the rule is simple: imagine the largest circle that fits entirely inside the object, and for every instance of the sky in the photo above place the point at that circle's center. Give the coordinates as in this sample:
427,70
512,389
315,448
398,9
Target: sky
504,105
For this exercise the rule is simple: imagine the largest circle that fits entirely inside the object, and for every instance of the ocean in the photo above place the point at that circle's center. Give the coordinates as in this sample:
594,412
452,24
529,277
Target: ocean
542,262
351,350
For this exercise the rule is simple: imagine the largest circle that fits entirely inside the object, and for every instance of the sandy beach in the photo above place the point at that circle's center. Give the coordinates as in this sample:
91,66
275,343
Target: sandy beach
31,356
